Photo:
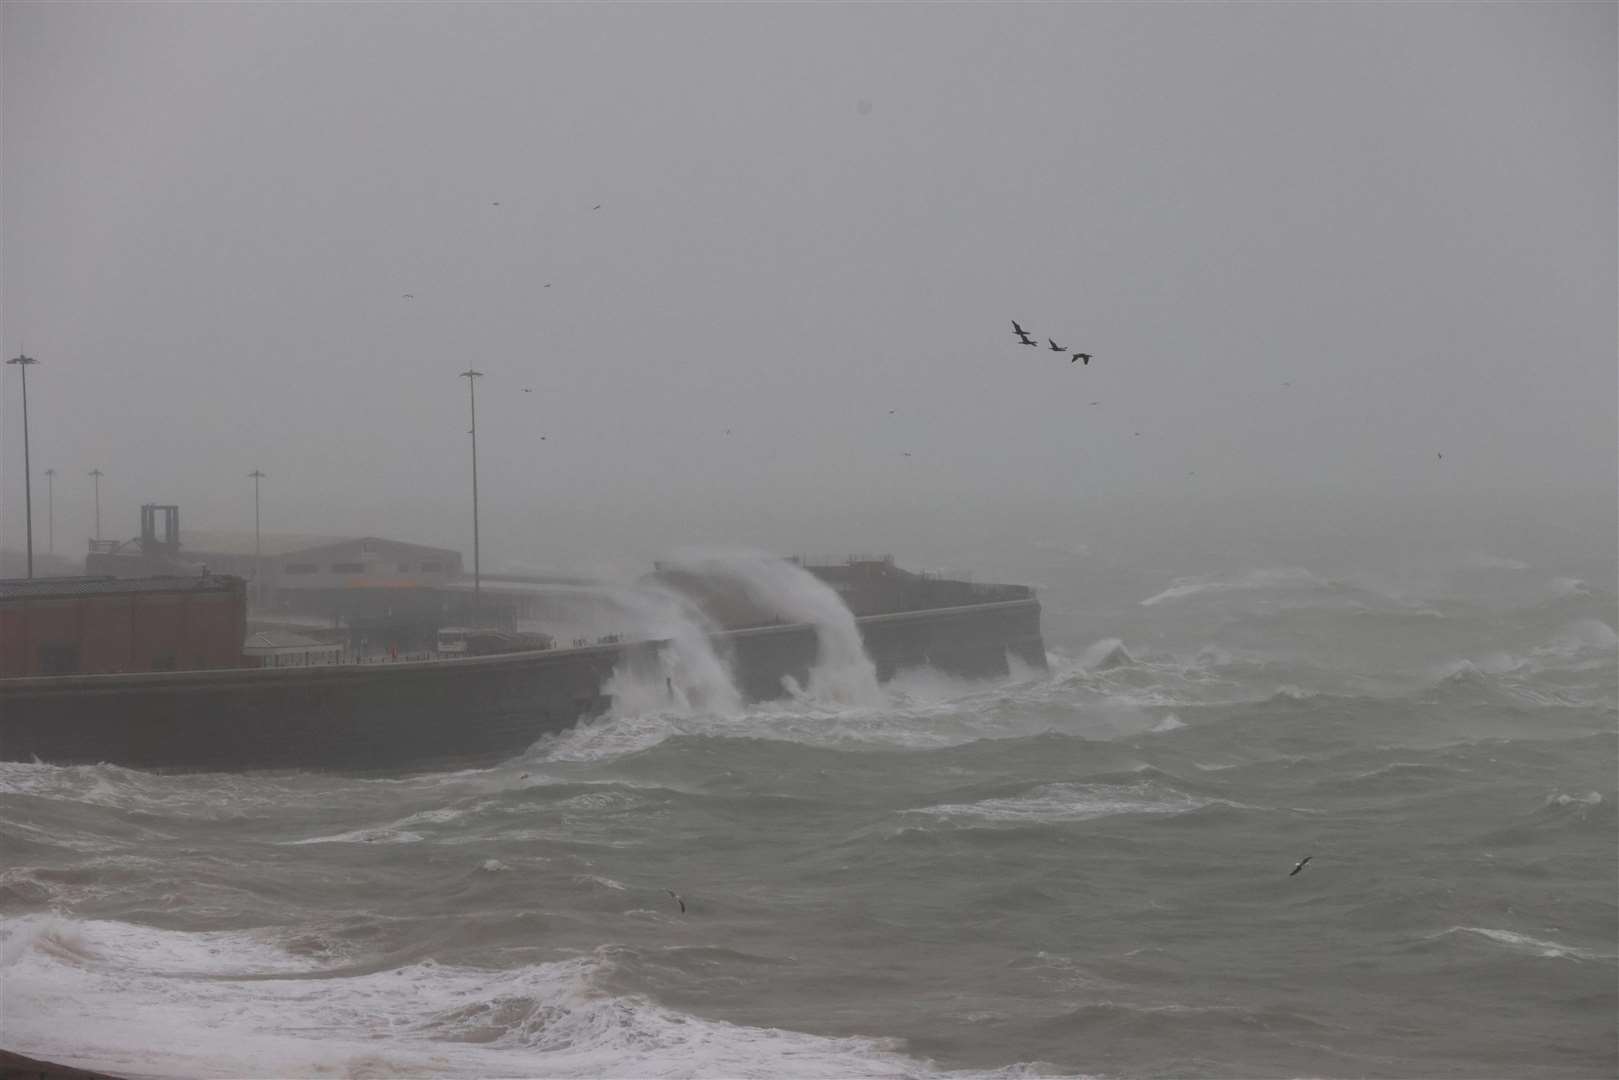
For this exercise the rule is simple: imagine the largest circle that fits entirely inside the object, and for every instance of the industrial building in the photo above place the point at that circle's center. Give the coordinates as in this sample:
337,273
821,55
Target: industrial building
104,625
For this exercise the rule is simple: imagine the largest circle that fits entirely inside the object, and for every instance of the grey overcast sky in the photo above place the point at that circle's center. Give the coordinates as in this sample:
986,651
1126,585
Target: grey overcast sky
810,215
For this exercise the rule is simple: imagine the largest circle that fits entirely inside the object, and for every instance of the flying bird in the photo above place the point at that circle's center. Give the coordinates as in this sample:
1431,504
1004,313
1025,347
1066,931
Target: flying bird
409,296
494,204
1441,457
1083,357
681,900
598,206
891,412
1055,347
1300,866
528,389
1022,334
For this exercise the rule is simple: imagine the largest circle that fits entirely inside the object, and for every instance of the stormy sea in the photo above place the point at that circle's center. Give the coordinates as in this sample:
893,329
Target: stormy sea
1082,871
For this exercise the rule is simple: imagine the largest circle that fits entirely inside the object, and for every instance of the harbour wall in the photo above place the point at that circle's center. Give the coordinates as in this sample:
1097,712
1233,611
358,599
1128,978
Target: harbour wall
418,716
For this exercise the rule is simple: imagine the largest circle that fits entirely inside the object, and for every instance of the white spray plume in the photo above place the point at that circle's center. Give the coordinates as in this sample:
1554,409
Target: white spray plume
843,673
687,676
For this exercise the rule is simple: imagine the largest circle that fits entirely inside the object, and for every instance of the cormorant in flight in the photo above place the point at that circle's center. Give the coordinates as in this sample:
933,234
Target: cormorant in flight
1023,335
1300,866
1083,357
1055,347
681,900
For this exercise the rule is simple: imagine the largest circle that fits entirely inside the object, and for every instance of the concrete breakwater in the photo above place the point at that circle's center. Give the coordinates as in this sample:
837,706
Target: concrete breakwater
434,714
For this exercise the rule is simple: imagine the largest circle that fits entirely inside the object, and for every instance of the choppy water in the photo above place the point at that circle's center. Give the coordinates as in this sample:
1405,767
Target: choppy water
1081,872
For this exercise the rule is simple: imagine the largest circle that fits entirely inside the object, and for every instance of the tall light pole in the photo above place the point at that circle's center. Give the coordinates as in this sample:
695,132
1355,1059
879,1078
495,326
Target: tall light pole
472,378
95,475
50,512
23,363
258,557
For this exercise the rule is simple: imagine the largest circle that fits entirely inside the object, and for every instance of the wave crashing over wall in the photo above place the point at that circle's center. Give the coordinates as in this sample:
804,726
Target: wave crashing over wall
842,673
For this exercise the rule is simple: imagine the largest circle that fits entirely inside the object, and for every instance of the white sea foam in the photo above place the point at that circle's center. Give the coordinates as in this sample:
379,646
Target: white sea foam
1105,654
1525,943
1182,588
1072,802
380,835
1590,798
1563,587
120,998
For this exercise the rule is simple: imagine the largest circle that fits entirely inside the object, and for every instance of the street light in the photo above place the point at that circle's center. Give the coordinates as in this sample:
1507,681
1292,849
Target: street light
23,363
50,513
472,378
258,558
95,475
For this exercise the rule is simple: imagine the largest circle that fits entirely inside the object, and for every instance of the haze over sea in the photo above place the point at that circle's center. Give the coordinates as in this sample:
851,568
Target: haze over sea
1075,872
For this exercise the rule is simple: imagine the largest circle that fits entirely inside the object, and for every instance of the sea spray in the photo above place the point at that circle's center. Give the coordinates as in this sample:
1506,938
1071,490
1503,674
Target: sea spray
685,675
843,673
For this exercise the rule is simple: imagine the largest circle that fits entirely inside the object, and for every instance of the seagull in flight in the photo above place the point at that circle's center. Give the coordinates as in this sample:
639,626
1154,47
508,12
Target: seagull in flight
681,900
1300,866
1083,357
1055,347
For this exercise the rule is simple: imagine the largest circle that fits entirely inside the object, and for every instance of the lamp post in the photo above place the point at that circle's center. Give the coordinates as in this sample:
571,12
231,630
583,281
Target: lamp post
23,363
50,511
95,475
258,557
472,378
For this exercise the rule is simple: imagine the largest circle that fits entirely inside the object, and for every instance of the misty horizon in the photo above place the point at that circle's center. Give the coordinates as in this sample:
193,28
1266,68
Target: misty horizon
1307,265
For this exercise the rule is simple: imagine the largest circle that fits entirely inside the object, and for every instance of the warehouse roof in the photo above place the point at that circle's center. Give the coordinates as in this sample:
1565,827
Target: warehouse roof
197,542
46,588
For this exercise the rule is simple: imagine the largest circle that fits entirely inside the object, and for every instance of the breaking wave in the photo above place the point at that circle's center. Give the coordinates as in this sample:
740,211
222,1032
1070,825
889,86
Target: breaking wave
552,1019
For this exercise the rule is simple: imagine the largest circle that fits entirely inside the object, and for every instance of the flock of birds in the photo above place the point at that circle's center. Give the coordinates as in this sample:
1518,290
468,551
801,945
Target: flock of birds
1083,358
1023,336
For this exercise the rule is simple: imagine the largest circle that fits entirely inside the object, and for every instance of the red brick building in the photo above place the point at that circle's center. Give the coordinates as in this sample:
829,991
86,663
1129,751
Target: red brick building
101,625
